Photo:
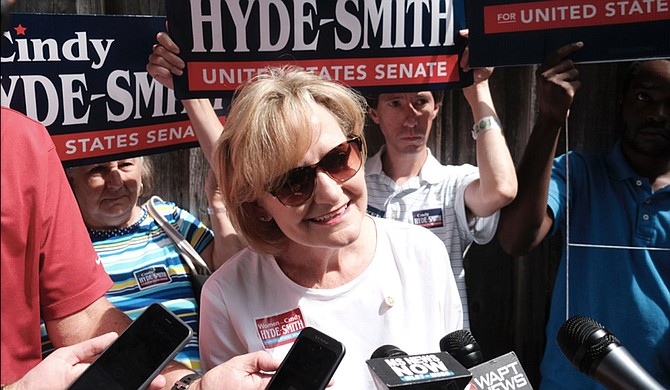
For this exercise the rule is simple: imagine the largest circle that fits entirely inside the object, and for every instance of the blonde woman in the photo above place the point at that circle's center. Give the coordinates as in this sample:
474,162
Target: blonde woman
290,164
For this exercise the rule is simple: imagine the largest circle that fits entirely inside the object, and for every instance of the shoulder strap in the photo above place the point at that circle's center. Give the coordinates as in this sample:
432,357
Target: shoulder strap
190,255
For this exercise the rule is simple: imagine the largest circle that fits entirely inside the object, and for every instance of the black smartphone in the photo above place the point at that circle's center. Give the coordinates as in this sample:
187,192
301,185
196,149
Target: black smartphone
310,363
134,359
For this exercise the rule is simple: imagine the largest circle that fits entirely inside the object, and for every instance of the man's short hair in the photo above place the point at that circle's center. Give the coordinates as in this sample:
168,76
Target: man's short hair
631,73
373,100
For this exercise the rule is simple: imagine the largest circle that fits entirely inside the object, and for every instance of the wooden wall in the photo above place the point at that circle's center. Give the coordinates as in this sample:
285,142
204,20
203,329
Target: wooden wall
508,295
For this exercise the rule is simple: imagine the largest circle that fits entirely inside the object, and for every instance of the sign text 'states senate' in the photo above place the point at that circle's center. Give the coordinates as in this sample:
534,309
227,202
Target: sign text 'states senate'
367,44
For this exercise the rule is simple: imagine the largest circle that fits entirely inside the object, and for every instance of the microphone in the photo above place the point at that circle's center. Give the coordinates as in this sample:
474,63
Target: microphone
392,368
503,372
463,347
595,351
386,351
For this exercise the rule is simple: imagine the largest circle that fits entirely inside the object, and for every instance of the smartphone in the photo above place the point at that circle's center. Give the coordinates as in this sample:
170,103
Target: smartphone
310,363
139,354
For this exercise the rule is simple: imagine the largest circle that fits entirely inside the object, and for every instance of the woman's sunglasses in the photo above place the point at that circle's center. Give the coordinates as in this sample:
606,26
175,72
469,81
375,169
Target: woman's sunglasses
341,164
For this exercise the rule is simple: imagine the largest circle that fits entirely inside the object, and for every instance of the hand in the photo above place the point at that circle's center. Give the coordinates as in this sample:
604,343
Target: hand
478,94
164,60
64,365
478,74
557,82
244,372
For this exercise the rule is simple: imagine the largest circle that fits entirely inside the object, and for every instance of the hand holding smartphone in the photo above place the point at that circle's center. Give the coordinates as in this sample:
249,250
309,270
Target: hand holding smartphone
139,354
310,363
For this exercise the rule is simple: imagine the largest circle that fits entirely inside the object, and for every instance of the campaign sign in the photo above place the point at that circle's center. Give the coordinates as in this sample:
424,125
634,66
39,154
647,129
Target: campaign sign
84,77
372,45
504,32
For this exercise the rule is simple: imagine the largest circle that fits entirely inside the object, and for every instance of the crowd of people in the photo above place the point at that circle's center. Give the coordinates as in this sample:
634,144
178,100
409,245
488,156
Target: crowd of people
317,234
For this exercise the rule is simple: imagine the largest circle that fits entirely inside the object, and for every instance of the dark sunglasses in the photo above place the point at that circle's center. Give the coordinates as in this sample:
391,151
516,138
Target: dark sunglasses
341,164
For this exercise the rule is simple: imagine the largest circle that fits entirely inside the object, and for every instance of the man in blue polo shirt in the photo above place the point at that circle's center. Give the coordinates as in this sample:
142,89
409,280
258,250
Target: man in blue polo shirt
618,209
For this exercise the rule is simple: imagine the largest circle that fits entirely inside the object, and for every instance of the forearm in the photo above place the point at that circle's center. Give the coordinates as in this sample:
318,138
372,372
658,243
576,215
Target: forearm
226,240
497,184
206,125
98,318
480,100
525,222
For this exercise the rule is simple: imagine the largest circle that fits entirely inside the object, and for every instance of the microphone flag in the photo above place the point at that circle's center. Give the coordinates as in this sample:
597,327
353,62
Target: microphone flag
430,371
503,372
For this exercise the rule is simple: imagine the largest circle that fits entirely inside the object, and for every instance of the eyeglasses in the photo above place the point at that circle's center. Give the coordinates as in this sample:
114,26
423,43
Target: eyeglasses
341,164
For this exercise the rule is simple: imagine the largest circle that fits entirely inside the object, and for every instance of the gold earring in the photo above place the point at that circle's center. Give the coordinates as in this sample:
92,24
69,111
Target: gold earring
264,218
141,189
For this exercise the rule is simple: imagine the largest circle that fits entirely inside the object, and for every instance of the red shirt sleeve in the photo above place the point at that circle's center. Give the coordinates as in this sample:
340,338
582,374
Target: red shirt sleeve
71,274
49,266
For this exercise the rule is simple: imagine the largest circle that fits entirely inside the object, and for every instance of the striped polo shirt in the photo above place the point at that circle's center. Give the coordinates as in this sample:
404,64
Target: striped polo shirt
146,267
435,199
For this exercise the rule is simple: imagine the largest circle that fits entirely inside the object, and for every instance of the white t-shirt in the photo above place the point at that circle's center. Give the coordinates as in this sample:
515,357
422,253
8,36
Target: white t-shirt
407,297
435,199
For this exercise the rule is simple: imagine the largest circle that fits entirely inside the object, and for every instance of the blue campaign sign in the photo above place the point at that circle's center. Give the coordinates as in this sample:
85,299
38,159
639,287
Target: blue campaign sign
504,32
84,78
373,45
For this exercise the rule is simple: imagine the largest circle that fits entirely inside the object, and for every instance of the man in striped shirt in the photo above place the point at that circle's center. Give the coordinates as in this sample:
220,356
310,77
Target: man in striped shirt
459,203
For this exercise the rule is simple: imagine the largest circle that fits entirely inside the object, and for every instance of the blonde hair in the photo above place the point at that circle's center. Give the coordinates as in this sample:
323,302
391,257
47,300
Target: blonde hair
267,132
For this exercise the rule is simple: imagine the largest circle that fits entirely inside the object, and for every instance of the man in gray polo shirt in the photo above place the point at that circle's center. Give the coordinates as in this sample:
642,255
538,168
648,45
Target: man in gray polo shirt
459,203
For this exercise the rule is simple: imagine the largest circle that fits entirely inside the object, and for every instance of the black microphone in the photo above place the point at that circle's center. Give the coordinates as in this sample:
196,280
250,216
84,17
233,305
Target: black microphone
503,372
392,368
463,347
595,351
386,351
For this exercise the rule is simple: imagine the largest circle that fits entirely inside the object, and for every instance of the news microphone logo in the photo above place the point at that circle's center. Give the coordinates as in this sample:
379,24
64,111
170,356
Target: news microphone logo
595,351
391,368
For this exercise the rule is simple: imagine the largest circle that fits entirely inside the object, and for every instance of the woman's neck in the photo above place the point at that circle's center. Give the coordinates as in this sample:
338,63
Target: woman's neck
314,267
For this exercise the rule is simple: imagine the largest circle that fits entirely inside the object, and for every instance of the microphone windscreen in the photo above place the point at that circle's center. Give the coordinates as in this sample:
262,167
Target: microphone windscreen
456,340
463,347
584,341
596,352
387,351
